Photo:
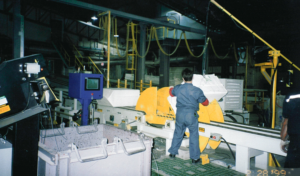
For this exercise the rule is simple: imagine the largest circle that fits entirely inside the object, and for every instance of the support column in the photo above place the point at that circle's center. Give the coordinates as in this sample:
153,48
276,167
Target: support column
164,67
242,159
205,59
18,30
261,161
142,49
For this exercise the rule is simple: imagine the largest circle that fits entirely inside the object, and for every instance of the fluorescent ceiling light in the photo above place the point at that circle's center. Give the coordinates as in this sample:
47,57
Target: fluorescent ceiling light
94,18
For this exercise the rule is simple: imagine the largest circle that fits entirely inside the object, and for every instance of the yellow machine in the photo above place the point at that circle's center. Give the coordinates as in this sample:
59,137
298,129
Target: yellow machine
158,109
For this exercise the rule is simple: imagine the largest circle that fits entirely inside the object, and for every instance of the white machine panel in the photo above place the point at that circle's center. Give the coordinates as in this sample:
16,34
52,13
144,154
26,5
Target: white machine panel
119,97
234,98
5,158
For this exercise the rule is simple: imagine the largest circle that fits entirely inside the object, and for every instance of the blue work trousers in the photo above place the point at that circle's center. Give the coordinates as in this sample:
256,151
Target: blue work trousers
186,118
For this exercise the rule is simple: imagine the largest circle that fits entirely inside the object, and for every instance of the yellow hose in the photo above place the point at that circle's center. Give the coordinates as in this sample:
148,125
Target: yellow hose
161,49
212,47
253,33
188,47
134,46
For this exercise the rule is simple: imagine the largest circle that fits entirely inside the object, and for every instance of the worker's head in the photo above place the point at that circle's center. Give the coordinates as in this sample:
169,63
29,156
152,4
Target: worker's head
187,74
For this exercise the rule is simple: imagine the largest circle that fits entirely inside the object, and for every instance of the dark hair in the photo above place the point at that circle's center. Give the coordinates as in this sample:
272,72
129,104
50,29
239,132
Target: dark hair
187,74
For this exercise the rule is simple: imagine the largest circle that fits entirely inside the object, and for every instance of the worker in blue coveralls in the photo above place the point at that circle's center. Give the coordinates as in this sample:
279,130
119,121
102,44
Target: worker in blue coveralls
188,99
290,126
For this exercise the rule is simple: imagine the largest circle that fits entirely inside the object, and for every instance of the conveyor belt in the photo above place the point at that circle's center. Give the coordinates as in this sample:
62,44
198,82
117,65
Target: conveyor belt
249,129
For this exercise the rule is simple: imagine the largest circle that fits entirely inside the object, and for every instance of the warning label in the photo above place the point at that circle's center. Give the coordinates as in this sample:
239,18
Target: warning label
4,109
202,129
3,100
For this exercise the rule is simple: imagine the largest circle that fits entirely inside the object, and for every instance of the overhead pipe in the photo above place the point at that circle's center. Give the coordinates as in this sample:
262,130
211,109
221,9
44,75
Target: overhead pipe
156,62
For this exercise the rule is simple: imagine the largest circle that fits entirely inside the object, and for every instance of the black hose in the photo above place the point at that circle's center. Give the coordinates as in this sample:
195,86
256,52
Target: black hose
229,148
240,115
273,157
231,117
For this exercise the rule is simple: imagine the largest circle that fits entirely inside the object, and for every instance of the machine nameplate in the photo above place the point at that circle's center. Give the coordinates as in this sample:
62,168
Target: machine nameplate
3,100
4,109
202,129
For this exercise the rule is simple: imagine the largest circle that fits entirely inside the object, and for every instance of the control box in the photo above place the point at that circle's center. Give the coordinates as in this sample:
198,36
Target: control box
215,136
85,86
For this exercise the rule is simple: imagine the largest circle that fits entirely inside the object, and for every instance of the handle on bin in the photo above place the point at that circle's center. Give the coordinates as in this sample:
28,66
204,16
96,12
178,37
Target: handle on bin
91,131
135,151
62,127
103,142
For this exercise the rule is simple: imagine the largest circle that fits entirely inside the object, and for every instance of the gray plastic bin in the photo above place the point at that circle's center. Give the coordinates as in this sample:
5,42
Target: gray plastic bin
93,150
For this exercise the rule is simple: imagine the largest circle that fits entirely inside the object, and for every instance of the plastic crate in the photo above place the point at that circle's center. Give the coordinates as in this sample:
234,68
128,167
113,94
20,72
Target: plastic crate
93,150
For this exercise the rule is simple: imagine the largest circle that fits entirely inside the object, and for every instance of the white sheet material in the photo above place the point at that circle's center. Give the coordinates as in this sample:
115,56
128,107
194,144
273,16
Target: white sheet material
119,97
209,84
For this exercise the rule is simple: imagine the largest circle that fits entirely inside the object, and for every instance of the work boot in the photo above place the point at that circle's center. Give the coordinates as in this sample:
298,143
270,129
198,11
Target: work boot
196,161
172,156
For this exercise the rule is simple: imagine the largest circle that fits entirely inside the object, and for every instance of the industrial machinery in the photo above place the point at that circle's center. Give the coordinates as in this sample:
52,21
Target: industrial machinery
154,115
24,94
85,87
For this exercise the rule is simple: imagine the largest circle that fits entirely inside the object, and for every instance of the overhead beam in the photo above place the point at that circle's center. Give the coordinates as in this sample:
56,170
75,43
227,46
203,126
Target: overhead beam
129,16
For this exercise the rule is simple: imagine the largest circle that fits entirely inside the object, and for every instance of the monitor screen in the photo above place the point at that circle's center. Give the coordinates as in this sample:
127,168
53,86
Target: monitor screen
92,83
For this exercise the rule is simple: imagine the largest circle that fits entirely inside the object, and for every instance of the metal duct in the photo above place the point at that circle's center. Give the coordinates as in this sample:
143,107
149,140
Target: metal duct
156,62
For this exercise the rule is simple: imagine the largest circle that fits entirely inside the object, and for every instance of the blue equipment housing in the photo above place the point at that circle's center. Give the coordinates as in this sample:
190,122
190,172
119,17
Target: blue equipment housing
85,88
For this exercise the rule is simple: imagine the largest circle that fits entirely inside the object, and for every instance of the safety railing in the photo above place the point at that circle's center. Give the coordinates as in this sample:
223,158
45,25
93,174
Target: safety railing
66,55
142,86
120,83
260,100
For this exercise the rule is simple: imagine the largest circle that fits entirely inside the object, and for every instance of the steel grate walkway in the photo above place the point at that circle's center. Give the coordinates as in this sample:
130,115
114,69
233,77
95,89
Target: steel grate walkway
177,166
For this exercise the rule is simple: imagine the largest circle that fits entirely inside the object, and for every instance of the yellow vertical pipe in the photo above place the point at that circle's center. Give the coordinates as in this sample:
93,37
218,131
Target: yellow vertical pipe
125,83
118,86
150,83
108,50
141,86
275,62
246,72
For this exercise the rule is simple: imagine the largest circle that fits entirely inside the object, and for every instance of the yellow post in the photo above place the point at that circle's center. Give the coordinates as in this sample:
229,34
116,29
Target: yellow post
246,100
275,55
118,86
150,83
141,86
125,83
108,50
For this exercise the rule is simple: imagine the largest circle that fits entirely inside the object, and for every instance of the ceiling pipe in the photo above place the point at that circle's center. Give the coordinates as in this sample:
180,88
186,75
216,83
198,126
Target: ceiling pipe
156,62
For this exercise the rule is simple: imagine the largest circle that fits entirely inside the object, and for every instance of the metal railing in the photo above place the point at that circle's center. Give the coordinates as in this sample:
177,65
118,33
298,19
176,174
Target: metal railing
142,86
120,83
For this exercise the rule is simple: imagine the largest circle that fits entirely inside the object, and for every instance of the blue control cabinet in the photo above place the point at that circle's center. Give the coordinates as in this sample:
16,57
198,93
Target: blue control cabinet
85,87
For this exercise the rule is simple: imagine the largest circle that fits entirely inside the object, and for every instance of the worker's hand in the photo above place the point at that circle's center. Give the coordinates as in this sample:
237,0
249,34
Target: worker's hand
170,91
284,145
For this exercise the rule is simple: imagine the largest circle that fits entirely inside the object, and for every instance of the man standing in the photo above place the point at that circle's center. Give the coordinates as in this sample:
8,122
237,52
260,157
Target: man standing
188,99
290,126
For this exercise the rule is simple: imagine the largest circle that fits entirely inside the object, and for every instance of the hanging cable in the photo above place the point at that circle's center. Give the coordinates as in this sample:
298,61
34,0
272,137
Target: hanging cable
188,47
127,42
161,49
212,46
134,43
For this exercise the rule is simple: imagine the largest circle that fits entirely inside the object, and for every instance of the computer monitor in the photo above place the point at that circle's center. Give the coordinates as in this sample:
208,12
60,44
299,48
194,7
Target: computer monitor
92,84
85,86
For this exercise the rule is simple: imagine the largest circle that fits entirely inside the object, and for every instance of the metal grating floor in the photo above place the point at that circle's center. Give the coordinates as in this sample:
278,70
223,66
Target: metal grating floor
177,166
